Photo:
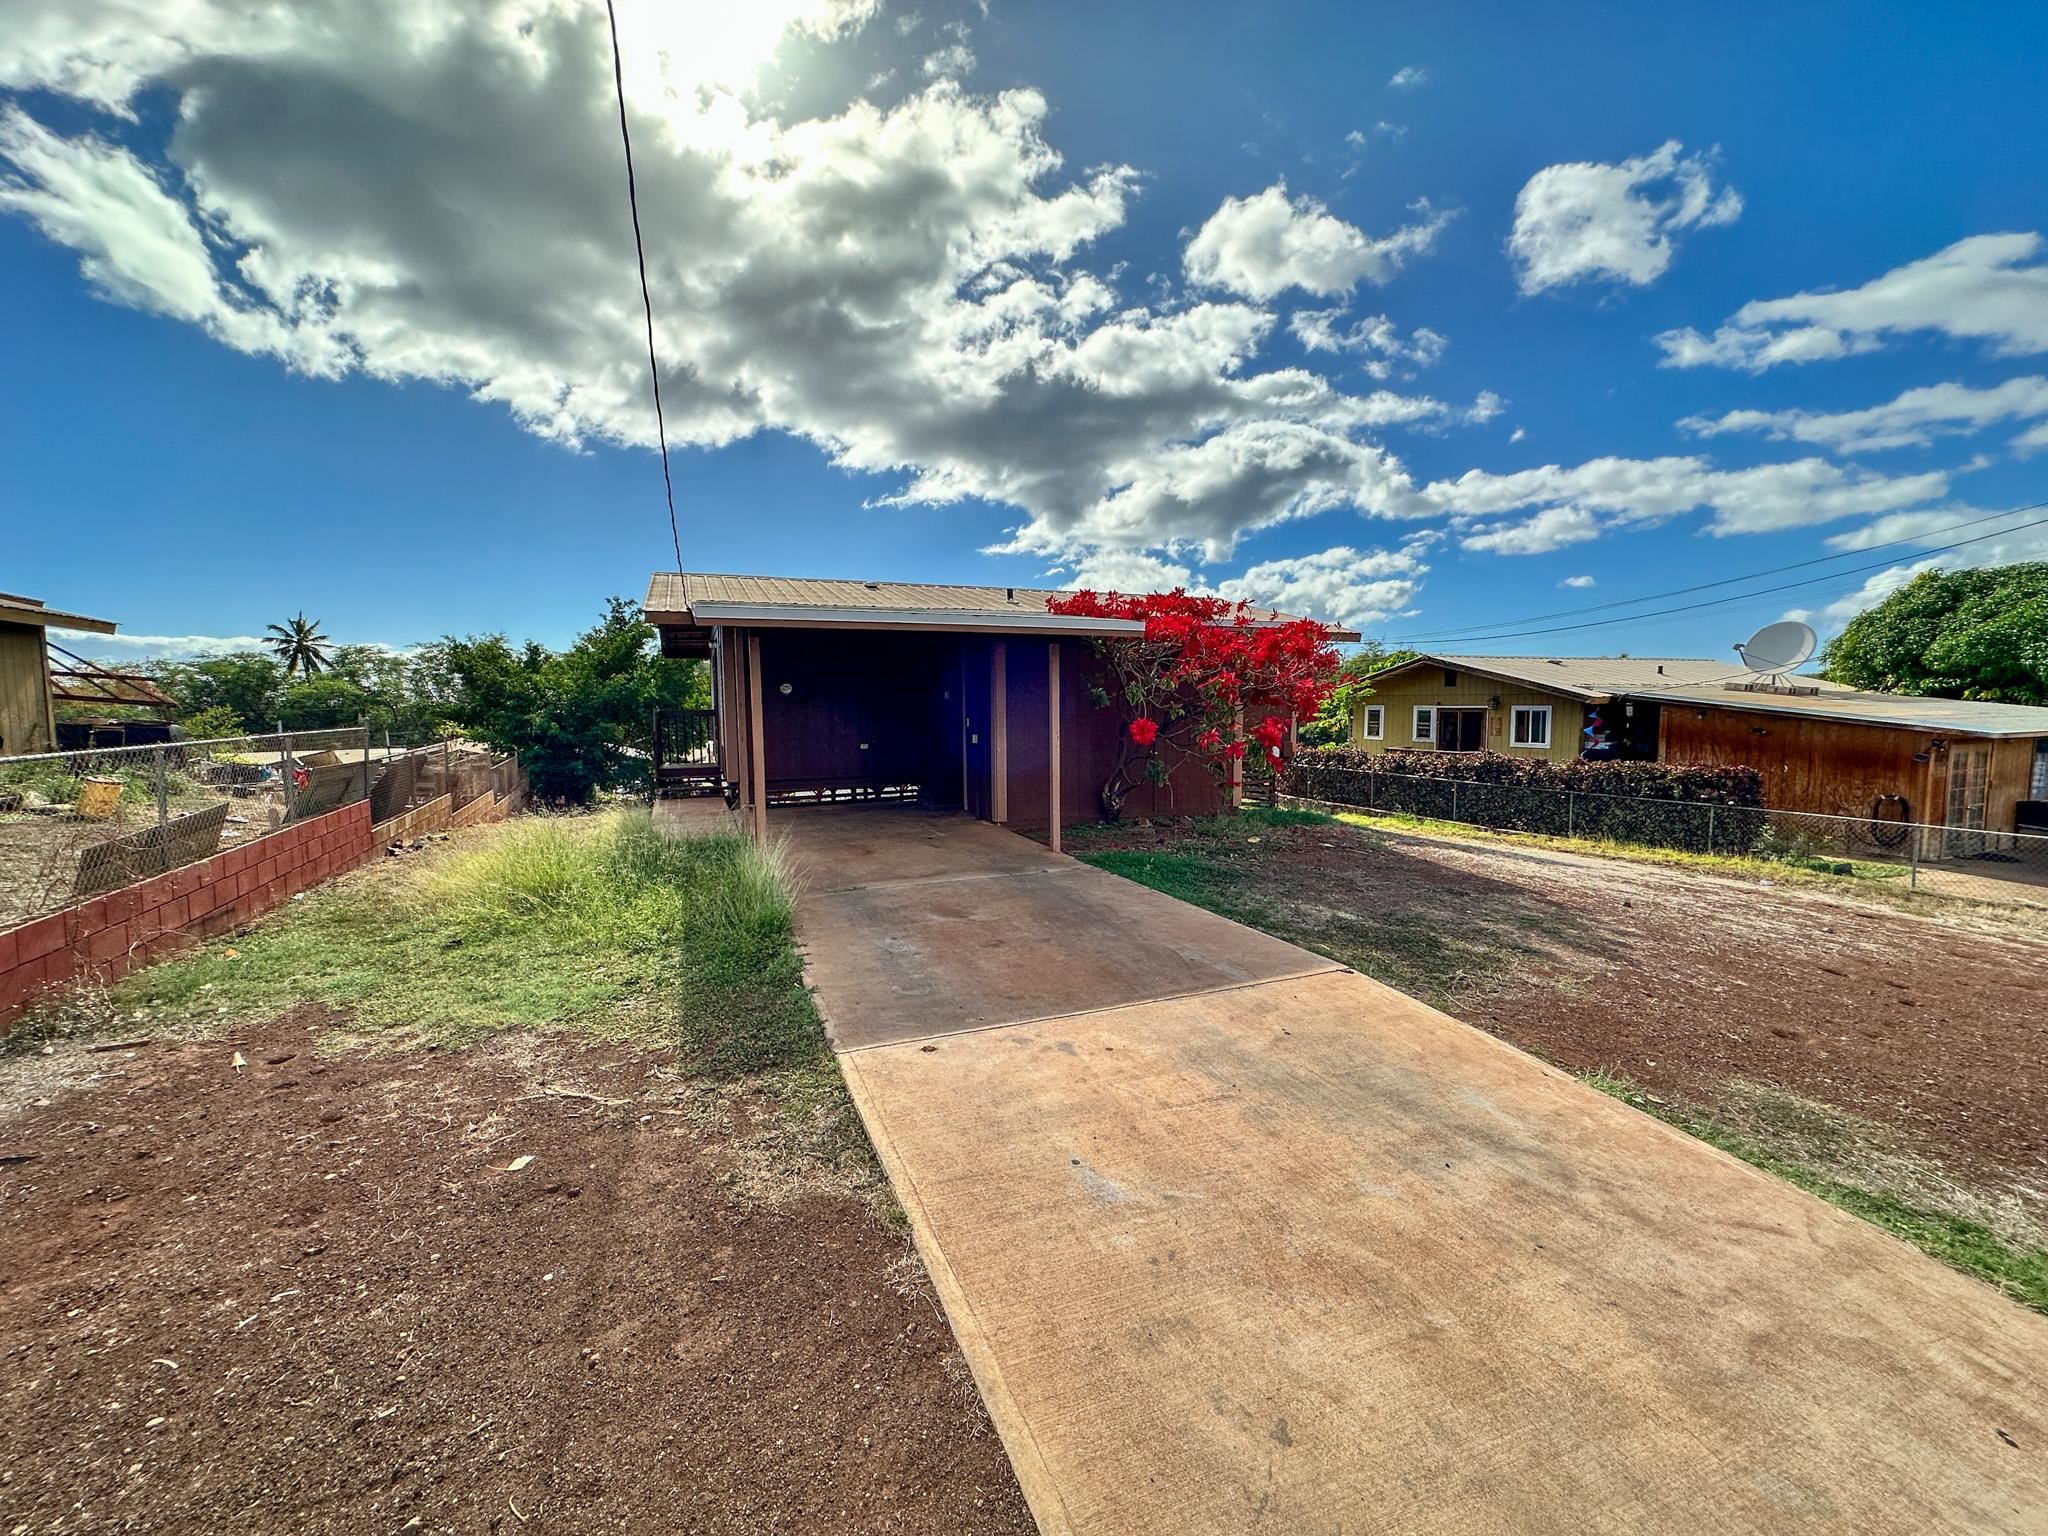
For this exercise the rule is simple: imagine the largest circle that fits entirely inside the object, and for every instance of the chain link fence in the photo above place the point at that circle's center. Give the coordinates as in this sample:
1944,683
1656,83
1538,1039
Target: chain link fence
74,825
1972,862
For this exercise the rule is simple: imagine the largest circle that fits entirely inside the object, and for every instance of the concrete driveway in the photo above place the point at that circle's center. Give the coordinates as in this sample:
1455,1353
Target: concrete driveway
1237,1240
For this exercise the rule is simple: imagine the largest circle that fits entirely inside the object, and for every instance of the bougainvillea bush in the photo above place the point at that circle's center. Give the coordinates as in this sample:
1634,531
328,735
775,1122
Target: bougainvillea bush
1659,804
1207,680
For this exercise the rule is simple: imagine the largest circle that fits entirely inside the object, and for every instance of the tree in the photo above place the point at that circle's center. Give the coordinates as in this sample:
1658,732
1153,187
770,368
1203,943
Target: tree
248,683
1200,669
580,719
1332,724
1953,634
298,644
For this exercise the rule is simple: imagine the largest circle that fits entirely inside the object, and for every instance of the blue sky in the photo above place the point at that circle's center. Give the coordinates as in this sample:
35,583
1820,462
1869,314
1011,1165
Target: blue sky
1408,318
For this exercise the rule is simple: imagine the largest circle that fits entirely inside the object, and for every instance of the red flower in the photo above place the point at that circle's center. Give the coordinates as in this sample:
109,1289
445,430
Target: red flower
1144,732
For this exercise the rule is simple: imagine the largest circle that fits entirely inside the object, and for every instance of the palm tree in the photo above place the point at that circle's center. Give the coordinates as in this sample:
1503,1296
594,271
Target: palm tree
299,644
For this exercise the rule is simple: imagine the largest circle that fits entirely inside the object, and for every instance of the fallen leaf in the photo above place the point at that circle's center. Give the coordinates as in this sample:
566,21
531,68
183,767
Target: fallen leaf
240,1061
519,1162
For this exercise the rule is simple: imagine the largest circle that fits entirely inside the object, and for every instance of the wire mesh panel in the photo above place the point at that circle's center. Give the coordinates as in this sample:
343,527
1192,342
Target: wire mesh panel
77,824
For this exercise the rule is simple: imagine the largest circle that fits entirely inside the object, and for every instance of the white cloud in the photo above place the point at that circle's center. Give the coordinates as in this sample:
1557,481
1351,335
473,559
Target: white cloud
2031,441
1408,76
1518,434
1580,582
1552,528
1356,588
1587,220
1927,528
165,647
1375,339
1913,420
952,62
1988,288
1264,244
1761,499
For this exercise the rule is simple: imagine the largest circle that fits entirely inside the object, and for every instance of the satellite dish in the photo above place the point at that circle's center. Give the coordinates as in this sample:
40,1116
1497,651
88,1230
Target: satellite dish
1778,648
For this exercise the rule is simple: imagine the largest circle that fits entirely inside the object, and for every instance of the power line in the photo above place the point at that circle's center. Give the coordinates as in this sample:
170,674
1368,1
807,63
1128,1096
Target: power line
1726,581
1740,597
646,301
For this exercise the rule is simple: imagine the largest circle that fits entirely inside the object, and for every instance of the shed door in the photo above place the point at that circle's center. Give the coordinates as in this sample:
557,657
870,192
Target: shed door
974,691
1969,782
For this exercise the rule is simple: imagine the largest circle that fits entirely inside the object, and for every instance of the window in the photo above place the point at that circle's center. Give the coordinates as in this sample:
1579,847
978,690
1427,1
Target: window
1450,677
1531,726
1425,723
1374,722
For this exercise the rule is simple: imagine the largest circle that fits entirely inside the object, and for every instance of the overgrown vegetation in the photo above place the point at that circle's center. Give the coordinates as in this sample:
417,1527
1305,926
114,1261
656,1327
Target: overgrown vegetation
579,718
1656,804
1955,634
2017,1268
603,923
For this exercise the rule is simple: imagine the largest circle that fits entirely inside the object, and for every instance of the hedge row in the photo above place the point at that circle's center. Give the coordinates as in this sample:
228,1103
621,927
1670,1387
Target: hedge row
1663,805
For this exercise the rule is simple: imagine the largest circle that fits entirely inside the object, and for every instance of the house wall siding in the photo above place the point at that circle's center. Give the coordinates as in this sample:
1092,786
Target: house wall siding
1401,695
112,934
24,691
1832,767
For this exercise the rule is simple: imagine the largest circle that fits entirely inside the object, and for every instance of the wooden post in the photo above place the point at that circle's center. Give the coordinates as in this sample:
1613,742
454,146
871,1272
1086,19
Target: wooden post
1052,733
757,753
1237,764
999,736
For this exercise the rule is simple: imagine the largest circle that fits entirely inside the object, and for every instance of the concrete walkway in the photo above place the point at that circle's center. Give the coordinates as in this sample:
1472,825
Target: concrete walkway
1236,1240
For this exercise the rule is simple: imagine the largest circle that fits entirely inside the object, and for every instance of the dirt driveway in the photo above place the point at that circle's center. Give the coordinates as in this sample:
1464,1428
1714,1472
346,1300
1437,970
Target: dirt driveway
1239,1240
305,1294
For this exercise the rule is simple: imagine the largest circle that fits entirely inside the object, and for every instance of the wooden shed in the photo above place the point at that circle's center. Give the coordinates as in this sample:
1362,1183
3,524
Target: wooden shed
958,697
27,713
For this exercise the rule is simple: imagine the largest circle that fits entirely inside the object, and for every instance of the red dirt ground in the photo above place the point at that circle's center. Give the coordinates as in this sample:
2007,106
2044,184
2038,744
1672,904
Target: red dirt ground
1935,1027
304,1295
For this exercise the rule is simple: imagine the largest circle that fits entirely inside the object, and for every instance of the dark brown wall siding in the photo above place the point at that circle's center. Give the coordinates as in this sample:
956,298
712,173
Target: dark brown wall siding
1835,768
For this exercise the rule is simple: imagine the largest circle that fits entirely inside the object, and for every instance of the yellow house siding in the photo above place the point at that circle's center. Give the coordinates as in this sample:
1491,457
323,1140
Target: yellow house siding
24,691
1400,696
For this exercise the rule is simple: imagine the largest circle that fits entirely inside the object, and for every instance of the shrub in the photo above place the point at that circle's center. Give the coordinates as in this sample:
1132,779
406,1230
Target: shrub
1657,804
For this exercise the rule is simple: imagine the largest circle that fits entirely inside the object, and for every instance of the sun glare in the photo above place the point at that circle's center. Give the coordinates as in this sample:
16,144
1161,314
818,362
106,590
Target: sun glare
678,46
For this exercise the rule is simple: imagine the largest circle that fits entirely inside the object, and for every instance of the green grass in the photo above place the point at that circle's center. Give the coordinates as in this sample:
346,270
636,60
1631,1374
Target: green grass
1885,883
2018,1269
600,923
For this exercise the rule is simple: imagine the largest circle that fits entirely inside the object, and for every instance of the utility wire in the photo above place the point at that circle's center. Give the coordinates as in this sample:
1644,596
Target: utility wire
1739,597
1477,631
646,302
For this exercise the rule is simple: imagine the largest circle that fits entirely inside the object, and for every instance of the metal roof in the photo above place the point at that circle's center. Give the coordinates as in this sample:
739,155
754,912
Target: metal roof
1703,682
697,598
30,610
1596,679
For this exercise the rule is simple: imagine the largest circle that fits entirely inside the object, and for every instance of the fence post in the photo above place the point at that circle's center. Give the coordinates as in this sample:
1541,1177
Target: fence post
284,772
1571,813
1913,859
1454,799
161,769
366,758
1710,828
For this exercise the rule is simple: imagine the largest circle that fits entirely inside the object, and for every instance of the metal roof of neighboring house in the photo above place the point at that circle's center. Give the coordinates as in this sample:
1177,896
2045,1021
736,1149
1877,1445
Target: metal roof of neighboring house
704,598
1598,678
1703,682
30,610
1958,717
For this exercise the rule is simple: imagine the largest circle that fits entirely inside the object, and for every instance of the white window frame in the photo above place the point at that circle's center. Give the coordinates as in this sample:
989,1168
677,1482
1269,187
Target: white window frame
1532,710
1372,722
1423,727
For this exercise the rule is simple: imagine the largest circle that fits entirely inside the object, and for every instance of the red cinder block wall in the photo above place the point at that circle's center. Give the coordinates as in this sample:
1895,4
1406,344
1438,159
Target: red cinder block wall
111,934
